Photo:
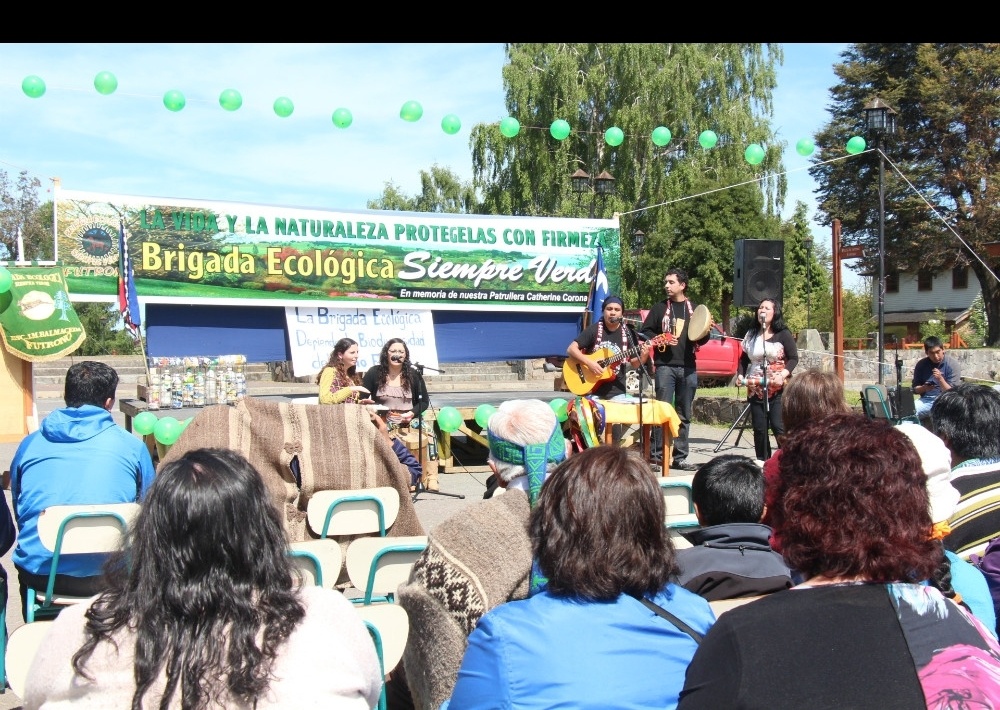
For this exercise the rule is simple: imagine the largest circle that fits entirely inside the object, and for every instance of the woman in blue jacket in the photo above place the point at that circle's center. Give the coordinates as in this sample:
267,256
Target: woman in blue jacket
607,629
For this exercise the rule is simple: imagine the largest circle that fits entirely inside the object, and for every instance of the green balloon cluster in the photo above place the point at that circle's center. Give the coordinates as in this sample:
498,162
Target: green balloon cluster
560,407
166,430
483,414
342,118
614,136
411,111
510,127
144,423
559,129
708,139
449,419
106,83
33,86
805,147
754,154
5,280
283,106
230,99
661,136
855,145
174,100
451,124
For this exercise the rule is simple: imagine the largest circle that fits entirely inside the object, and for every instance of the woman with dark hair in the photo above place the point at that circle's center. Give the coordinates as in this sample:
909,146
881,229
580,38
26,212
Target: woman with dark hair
862,630
396,384
608,629
339,381
769,356
202,610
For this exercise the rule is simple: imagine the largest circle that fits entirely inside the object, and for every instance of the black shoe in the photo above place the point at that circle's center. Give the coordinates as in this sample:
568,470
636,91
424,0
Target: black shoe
684,465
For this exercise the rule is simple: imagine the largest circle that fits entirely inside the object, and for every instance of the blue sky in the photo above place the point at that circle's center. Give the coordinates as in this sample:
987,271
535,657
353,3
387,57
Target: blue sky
129,143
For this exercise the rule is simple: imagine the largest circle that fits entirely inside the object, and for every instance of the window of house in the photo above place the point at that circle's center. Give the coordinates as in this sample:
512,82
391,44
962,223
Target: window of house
925,281
960,277
892,282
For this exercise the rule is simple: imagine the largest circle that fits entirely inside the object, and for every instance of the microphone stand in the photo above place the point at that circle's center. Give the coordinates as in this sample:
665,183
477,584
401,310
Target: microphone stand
420,443
764,386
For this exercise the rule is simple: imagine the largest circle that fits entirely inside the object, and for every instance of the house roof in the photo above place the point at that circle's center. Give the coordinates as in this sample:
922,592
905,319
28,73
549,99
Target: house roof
922,316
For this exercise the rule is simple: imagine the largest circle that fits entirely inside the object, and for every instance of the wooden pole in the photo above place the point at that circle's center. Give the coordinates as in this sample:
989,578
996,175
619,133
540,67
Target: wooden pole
838,305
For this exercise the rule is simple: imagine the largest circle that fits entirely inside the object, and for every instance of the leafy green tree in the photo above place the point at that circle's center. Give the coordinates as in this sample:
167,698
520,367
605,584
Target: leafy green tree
105,335
441,190
686,87
21,212
942,201
807,280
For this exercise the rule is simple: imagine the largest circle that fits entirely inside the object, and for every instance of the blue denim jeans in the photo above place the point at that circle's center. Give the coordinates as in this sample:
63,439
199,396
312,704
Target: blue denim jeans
677,386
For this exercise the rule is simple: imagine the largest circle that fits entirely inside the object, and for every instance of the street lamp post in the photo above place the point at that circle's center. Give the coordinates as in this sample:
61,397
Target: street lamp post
881,121
603,186
808,242
638,239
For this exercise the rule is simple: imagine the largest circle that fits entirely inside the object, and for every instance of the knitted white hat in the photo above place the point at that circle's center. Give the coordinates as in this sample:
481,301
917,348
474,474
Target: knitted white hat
936,460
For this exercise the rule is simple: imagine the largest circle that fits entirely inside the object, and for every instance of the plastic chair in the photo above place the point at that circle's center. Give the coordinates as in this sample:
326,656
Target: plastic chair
360,511
676,527
389,627
74,530
875,401
377,566
721,606
677,496
22,646
319,562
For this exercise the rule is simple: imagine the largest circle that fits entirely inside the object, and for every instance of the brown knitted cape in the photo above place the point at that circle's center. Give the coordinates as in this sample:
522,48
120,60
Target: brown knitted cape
337,448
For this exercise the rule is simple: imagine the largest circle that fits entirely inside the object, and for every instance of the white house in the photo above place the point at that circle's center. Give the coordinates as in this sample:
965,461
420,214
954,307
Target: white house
912,299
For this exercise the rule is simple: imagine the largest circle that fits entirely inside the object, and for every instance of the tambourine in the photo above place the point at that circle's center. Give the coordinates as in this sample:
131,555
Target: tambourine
701,323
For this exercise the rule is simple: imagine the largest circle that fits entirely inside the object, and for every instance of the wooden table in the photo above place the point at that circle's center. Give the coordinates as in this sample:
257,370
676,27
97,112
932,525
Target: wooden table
654,413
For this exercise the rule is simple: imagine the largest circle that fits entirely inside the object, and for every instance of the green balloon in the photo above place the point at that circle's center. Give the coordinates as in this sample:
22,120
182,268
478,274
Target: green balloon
166,430
184,424
230,99
283,106
559,129
449,419
708,139
411,111
174,100
754,154
451,124
661,136
144,423
614,136
342,118
483,414
5,280
105,83
510,127
559,406
855,145
33,86
805,146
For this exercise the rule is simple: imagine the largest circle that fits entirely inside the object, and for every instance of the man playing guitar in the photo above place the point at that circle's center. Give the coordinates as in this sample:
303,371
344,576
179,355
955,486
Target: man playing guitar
611,334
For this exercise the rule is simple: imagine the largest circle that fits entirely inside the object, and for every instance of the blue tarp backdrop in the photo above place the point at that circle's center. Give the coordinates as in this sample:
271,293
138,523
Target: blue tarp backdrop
259,333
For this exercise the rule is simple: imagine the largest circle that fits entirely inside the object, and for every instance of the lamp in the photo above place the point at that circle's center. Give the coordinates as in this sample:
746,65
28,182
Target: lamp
638,239
880,120
601,186
807,241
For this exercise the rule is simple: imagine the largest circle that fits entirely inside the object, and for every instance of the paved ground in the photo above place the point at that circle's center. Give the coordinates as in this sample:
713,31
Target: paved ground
431,508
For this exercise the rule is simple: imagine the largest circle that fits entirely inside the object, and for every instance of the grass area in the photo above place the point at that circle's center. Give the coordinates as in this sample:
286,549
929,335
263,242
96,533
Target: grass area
853,398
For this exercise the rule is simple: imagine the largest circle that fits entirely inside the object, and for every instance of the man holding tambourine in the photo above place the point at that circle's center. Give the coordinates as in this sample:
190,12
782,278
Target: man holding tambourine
676,375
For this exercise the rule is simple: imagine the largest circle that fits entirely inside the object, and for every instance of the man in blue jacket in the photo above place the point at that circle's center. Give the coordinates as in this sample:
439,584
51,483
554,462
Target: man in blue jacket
79,456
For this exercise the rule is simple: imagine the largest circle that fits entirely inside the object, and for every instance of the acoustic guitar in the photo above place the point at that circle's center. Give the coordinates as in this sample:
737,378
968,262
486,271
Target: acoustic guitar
580,380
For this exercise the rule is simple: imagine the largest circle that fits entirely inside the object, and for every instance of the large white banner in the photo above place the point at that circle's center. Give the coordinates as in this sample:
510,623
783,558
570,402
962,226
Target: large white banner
313,331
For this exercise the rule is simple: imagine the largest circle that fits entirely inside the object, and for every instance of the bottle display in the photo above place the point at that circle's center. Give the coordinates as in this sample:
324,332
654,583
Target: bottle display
153,390
177,391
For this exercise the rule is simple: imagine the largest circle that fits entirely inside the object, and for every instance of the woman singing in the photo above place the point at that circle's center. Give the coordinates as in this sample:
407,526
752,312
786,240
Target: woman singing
339,381
769,355
395,384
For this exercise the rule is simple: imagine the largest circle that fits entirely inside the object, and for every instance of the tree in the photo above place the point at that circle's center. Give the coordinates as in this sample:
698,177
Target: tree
944,207
21,213
105,336
441,190
806,278
686,87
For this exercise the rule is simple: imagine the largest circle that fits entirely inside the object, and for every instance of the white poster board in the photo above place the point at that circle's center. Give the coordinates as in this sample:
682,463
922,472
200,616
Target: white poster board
313,331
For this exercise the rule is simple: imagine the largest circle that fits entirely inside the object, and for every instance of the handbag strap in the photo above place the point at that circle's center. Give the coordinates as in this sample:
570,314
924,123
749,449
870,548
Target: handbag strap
660,611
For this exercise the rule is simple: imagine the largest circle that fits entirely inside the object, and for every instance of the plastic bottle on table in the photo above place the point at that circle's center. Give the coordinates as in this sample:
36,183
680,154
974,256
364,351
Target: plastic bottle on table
153,390
199,388
177,392
211,396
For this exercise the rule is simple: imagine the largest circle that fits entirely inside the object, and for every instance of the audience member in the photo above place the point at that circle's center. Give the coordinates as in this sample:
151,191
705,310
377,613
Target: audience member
78,456
956,578
608,609
202,610
934,374
731,556
339,380
967,418
853,514
481,557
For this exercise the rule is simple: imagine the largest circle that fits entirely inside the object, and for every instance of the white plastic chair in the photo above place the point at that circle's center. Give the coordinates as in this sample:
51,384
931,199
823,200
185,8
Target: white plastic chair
319,562
377,566
677,496
360,511
389,627
22,646
680,524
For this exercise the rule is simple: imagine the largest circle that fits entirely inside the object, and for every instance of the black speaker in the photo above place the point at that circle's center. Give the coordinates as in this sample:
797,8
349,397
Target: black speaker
759,272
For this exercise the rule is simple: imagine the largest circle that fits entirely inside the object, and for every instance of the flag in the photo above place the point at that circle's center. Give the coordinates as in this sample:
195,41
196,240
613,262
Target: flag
598,292
128,301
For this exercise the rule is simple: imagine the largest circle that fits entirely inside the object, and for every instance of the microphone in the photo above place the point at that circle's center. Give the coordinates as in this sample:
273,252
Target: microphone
396,358
615,319
762,317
